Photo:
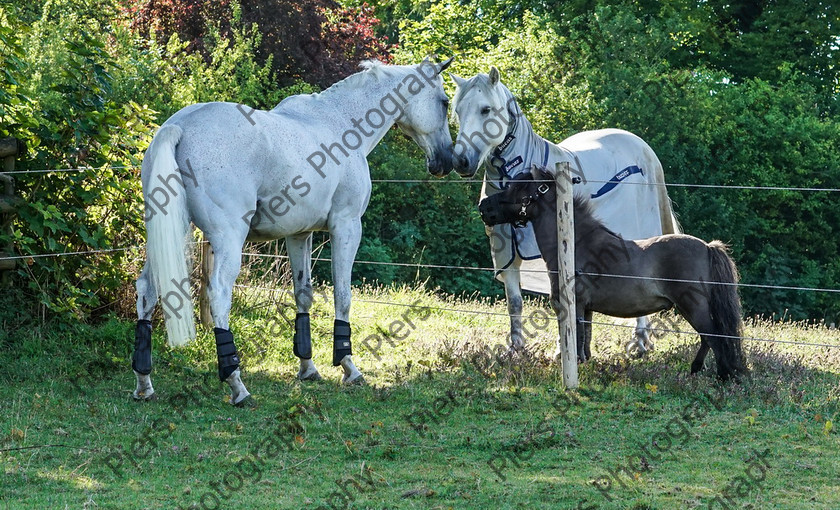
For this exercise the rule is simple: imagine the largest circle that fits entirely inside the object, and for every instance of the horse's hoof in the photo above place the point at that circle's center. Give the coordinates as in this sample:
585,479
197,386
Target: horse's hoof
359,380
247,402
142,396
310,376
308,372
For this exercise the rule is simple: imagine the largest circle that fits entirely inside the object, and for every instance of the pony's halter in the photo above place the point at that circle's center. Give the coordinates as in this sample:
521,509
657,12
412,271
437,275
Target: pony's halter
542,189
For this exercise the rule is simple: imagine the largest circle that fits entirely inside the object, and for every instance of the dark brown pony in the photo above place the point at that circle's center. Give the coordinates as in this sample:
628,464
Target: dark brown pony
647,276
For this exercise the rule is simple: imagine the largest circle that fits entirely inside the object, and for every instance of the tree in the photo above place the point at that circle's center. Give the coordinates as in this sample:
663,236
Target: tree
316,41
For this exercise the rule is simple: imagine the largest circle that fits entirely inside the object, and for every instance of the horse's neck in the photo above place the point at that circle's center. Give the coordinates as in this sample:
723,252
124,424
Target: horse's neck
545,230
350,110
596,242
526,144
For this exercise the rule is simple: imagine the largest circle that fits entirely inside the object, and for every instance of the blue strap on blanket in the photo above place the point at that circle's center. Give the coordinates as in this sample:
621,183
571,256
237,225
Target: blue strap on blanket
620,176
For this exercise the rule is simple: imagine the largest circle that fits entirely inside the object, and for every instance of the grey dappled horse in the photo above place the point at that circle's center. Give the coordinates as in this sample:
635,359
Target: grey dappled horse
617,169
645,276
241,174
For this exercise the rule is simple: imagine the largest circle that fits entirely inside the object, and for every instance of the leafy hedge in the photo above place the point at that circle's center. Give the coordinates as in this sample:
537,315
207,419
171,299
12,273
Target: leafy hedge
85,83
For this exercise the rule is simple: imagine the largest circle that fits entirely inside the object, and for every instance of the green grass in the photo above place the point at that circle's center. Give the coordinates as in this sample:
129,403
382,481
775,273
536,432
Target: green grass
468,414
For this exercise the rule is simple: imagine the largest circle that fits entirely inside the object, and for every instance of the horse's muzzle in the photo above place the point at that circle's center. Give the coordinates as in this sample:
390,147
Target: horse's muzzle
440,164
464,166
491,213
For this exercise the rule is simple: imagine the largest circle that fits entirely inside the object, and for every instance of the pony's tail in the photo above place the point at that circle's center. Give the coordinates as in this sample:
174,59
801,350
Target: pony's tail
726,308
166,231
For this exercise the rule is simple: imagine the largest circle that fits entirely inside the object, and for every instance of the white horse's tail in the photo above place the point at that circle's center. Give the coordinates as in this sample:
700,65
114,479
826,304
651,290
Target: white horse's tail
668,219
167,224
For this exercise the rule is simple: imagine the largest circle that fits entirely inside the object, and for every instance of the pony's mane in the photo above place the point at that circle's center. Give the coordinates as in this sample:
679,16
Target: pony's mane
585,218
583,210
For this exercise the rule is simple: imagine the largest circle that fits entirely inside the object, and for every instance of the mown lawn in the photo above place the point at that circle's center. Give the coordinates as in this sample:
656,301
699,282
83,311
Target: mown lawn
441,424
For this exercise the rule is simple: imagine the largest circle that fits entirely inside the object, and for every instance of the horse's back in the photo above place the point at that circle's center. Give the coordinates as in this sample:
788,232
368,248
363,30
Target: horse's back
236,160
619,167
677,256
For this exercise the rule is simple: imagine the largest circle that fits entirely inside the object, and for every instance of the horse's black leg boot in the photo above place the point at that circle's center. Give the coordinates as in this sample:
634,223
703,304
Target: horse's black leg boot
226,353
302,342
341,341
141,360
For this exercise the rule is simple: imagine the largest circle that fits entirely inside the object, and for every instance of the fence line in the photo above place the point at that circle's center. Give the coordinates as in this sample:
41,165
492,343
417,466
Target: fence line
721,186
580,320
390,303
471,181
441,266
469,268
66,170
666,184
677,331
48,255
750,285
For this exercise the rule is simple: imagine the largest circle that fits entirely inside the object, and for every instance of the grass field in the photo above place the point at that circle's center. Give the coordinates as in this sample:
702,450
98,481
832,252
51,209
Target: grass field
441,424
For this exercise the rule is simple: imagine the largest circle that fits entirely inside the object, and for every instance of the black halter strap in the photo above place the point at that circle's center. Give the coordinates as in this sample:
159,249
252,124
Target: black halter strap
540,192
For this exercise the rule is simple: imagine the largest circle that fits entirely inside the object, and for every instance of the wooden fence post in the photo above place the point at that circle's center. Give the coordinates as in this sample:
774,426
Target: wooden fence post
9,148
566,272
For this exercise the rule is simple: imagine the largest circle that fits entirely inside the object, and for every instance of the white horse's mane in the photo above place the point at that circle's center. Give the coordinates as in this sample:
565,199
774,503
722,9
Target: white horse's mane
371,70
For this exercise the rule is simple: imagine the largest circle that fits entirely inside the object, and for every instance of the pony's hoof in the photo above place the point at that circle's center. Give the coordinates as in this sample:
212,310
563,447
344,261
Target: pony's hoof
246,402
635,350
142,396
358,380
311,375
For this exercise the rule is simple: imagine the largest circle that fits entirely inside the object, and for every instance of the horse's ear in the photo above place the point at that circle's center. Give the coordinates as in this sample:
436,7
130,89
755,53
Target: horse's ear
494,75
457,79
442,66
536,173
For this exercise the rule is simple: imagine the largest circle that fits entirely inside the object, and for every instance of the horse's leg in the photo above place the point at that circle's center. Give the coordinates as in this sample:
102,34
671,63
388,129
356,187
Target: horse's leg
344,239
587,328
141,359
513,295
300,255
227,259
641,343
697,364
700,318
580,332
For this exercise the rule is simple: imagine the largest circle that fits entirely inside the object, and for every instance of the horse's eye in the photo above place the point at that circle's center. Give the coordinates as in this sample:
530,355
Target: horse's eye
445,104
485,110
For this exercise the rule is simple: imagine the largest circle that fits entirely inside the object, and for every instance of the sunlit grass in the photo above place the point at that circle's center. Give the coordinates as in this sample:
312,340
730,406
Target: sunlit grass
434,424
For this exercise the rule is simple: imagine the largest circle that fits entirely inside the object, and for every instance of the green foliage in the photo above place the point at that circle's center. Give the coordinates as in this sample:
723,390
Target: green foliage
656,69
71,121
731,93
91,99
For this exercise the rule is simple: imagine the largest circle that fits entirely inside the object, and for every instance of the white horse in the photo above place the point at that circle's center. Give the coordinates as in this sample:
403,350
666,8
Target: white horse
607,165
242,174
